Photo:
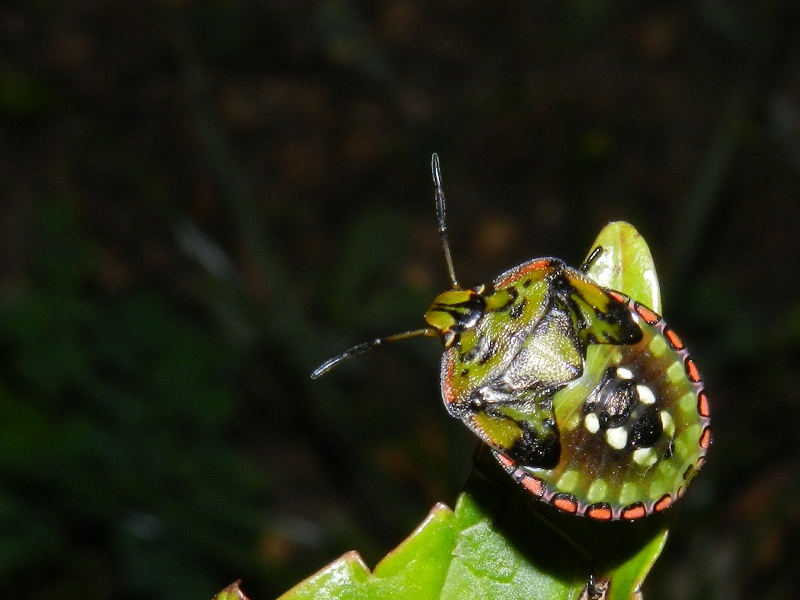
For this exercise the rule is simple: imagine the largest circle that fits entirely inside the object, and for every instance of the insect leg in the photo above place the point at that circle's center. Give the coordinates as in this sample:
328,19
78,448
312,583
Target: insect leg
591,259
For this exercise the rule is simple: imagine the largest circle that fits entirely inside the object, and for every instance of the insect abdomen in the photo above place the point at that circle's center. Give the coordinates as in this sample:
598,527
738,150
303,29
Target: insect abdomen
634,428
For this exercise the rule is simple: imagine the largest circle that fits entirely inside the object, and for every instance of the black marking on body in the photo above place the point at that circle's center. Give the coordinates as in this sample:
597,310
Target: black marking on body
619,403
474,352
476,403
489,351
481,352
590,404
532,451
517,310
465,314
563,298
513,294
470,355
620,314
646,430
617,313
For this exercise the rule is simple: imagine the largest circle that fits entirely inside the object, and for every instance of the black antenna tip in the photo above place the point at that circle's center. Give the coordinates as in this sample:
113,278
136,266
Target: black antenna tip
436,171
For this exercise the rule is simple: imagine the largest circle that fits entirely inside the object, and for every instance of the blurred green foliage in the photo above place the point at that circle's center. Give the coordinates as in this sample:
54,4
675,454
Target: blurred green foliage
117,477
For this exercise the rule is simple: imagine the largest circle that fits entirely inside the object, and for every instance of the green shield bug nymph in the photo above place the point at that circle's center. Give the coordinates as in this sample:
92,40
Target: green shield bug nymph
587,398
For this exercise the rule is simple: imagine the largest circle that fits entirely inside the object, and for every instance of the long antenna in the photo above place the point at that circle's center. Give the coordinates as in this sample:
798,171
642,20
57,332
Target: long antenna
436,172
364,346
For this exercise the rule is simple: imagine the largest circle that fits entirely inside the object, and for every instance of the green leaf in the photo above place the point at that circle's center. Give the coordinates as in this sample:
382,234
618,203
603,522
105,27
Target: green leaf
560,551
415,569
499,543
232,592
625,264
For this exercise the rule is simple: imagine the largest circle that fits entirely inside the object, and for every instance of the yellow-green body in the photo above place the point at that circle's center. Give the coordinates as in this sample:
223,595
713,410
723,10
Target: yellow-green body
581,398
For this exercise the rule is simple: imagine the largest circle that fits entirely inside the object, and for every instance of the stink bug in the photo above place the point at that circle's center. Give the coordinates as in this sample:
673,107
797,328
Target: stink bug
587,398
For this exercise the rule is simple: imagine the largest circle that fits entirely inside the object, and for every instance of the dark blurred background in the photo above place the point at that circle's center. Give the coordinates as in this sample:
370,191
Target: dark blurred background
201,201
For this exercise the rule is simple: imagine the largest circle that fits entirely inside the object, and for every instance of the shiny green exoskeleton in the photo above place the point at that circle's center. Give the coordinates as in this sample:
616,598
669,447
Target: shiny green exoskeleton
586,397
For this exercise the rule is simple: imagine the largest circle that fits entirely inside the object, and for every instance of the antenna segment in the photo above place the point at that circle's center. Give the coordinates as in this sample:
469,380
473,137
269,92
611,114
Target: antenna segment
364,346
436,172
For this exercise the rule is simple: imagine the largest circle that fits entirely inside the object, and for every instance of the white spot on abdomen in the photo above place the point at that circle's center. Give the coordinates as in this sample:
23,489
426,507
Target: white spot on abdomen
617,437
645,457
646,395
624,373
592,423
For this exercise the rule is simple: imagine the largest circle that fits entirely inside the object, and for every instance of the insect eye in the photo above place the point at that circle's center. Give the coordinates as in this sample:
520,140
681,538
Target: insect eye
449,338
